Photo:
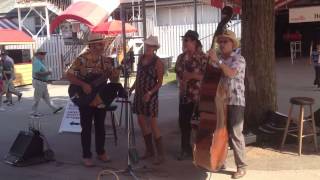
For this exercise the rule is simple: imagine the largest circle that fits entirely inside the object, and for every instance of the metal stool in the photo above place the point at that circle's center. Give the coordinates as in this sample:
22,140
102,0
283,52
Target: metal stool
295,47
300,101
112,108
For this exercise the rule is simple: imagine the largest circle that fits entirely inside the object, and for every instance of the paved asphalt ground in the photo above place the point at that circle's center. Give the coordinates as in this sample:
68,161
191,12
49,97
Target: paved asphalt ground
264,163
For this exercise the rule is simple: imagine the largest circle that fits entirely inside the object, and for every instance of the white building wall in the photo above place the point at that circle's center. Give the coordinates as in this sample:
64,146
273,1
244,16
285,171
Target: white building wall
183,15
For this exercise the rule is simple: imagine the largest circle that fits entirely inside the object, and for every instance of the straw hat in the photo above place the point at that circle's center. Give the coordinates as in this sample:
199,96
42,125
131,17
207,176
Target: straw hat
232,36
152,41
95,38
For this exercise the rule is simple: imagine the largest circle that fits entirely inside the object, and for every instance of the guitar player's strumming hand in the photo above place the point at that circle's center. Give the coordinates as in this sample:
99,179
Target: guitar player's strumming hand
86,88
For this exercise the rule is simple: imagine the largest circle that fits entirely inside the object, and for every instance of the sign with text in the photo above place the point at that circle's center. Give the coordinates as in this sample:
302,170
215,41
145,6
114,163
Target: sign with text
71,119
305,14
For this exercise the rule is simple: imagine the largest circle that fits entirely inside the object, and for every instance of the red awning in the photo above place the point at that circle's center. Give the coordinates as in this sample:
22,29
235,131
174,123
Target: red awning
87,12
11,36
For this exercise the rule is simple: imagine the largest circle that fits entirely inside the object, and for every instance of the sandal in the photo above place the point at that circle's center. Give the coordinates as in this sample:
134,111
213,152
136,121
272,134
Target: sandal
104,158
88,162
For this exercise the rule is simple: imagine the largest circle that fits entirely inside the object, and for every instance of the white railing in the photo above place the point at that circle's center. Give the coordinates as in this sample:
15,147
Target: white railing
170,36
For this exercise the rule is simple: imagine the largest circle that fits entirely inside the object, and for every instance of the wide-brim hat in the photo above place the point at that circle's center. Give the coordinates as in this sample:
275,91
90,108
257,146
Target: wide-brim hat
193,35
95,38
232,36
152,41
41,51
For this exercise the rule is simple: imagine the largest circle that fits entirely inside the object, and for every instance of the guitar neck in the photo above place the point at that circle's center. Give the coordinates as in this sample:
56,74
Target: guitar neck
103,78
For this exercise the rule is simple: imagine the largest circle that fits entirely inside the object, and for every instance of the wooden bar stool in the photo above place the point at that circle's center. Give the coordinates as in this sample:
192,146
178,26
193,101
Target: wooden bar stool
300,101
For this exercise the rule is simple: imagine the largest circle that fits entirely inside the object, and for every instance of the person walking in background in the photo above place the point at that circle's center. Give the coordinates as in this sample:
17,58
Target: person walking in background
40,75
315,59
146,105
8,77
1,84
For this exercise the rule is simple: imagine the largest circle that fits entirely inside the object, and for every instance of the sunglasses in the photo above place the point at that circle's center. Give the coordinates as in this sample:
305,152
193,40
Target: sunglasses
187,40
42,53
223,41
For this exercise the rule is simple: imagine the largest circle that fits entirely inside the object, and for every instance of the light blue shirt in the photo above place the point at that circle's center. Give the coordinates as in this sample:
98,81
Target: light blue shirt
38,66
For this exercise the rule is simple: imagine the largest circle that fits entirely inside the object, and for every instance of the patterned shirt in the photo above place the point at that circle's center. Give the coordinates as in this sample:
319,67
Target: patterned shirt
87,66
1,71
235,85
193,64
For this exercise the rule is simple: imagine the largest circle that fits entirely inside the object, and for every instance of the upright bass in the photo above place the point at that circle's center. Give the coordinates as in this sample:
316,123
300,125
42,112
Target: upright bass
211,142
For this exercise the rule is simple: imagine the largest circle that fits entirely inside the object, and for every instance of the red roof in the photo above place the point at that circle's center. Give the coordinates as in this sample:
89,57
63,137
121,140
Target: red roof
12,36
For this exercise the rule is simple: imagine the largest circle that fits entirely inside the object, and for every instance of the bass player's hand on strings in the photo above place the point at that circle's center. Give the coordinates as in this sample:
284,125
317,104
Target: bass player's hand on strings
213,56
86,88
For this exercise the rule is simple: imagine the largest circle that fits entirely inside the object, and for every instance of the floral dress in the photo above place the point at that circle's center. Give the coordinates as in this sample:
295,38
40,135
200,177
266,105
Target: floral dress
146,79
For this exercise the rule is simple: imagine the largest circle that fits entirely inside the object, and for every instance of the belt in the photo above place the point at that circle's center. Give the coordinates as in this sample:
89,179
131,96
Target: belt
40,80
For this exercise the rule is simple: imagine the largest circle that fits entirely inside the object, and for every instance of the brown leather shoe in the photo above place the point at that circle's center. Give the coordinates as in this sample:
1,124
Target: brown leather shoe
239,174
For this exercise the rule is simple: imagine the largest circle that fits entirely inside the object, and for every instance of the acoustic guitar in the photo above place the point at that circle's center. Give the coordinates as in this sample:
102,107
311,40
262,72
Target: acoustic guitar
211,141
98,83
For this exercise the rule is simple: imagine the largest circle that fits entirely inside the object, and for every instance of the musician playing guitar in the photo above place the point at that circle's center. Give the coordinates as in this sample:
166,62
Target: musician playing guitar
85,70
190,68
233,73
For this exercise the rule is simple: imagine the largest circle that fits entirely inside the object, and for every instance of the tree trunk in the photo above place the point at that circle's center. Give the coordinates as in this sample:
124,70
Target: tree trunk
258,49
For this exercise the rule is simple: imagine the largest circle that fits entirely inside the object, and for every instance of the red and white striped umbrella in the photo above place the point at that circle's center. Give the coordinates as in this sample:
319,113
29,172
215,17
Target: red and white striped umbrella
89,12
113,27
